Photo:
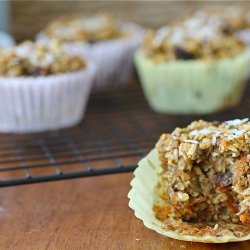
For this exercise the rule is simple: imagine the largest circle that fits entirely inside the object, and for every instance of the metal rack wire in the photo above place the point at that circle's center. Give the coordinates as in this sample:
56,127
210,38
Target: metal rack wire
118,129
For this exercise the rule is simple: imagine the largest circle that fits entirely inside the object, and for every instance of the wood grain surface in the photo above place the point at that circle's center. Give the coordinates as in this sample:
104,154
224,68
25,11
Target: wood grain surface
29,17
88,213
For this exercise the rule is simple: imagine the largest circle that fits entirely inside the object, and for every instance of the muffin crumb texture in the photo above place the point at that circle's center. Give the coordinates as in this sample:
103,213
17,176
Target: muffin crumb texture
35,59
204,187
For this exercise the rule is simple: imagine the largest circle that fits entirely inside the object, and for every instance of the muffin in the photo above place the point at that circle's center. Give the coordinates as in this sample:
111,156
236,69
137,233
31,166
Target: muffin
187,70
101,38
42,88
195,184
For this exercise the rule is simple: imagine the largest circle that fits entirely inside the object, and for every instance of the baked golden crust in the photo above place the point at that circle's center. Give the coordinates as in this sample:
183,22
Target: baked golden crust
205,179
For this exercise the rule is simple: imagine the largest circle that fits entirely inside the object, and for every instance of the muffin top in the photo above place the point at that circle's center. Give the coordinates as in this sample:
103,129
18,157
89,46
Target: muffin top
200,36
35,59
84,28
228,19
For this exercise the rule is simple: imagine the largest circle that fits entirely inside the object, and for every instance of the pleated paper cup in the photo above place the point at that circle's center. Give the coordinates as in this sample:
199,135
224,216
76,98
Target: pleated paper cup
143,195
113,58
194,86
35,104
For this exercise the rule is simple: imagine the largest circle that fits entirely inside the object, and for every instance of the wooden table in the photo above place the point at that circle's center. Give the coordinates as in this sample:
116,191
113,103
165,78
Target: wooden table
92,212
88,213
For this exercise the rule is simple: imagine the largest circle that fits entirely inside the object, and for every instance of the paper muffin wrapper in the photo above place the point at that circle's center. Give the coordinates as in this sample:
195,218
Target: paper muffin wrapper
193,86
142,196
113,58
34,104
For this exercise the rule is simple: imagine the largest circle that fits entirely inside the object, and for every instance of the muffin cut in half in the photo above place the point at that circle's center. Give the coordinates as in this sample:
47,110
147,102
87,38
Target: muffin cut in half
199,183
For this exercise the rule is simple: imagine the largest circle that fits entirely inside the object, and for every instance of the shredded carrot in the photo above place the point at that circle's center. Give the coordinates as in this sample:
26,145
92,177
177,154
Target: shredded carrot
243,159
166,211
243,218
225,144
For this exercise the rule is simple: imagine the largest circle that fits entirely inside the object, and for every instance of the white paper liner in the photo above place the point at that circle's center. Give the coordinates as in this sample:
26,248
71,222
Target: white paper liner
194,86
142,196
113,58
34,104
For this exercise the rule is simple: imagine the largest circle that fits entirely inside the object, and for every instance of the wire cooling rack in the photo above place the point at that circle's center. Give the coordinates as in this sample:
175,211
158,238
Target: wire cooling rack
118,129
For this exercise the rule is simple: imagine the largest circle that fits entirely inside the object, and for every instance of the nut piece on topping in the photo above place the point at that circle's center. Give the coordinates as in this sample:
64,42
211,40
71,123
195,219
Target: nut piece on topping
183,196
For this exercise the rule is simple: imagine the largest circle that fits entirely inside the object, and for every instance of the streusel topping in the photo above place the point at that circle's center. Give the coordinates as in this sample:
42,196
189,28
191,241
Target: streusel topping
226,19
203,35
34,59
84,29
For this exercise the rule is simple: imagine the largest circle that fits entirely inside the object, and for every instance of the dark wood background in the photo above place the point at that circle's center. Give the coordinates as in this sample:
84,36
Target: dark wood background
28,17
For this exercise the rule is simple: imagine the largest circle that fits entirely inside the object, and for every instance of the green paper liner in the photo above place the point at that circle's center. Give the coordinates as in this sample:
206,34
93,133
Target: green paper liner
193,86
142,196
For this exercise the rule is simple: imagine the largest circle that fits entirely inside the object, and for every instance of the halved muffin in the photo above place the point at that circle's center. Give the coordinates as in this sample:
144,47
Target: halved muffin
198,183
206,174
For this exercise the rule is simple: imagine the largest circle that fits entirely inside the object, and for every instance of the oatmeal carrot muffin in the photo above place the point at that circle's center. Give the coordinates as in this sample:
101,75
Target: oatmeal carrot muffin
192,70
42,87
198,182
103,39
